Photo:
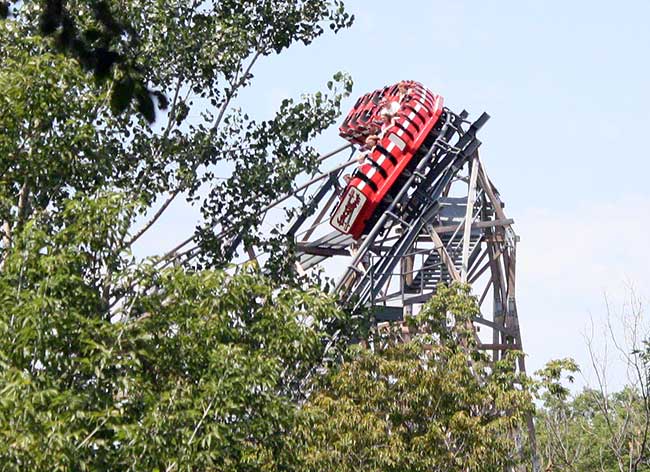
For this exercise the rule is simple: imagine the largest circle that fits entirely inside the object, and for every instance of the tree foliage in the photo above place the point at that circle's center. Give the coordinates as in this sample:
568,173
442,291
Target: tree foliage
107,362
115,40
206,378
62,138
432,403
597,429
109,112
590,431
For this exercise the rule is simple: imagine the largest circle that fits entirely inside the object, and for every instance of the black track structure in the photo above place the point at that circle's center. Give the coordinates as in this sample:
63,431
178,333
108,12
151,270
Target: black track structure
443,221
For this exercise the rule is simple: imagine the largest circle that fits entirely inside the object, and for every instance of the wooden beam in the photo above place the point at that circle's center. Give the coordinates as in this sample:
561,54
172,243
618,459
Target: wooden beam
469,217
491,324
480,272
499,346
511,264
407,269
499,301
477,263
477,225
486,185
485,291
495,238
321,251
494,255
444,255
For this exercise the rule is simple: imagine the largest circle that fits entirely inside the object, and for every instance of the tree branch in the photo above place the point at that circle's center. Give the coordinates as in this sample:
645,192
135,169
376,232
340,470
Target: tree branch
213,130
153,220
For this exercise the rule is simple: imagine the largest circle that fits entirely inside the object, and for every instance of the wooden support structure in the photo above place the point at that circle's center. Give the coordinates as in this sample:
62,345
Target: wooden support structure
446,224
469,218
444,255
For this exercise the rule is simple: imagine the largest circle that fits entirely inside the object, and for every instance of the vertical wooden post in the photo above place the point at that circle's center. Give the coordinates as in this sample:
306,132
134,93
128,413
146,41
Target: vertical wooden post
407,279
469,216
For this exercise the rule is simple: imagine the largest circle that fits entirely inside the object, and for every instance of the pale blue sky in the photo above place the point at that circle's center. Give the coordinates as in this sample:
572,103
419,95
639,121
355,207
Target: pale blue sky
566,84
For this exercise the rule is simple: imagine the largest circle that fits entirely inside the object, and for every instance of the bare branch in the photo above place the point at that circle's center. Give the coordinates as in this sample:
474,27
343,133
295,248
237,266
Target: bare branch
153,220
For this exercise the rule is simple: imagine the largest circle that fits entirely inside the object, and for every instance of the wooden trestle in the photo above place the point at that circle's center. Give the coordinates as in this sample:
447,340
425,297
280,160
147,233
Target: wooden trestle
446,223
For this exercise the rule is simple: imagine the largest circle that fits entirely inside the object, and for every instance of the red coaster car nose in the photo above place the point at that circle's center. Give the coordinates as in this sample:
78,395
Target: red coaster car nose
402,115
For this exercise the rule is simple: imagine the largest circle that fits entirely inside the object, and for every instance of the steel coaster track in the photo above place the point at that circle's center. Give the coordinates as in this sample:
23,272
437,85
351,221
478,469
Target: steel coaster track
411,210
233,234
483,240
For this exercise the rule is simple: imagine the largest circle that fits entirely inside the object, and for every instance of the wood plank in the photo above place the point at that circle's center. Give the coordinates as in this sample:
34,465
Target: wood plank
321,251
486,185
478,225
444,255
499,346
469,217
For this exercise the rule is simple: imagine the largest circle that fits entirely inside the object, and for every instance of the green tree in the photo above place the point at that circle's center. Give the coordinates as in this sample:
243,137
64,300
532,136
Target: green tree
113,39
591,432
108,363
597,429
206,378
60,135
432,403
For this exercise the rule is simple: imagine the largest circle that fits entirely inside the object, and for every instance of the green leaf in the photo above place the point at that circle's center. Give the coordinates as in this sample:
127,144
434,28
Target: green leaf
122,94
145,104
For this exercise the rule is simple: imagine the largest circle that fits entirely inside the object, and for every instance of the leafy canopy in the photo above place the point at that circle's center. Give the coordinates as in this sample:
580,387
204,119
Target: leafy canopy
431,402
107,362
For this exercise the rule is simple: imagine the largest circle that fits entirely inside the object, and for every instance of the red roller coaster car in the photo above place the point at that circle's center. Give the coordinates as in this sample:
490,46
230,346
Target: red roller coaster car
417,111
